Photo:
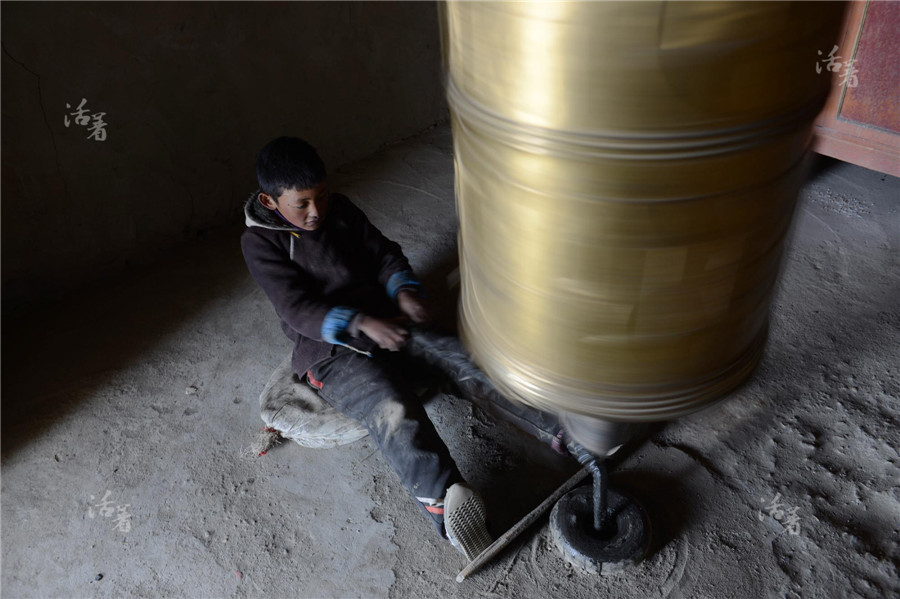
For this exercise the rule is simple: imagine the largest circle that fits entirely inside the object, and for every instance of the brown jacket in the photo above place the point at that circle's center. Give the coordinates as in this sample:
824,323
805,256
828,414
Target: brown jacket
318,281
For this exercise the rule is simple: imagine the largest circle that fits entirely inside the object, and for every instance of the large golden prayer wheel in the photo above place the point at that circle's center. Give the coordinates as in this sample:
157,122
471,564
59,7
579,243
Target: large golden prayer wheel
626,176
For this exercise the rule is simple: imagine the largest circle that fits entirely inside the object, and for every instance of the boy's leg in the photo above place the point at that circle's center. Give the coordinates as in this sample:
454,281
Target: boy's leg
372,392
447,354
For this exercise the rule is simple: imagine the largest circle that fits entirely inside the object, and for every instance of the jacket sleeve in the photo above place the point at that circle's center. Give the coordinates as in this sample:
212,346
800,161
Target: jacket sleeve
291,291
394,271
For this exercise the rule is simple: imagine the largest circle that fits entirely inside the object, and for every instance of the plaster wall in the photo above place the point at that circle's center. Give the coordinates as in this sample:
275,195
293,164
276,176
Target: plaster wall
191,91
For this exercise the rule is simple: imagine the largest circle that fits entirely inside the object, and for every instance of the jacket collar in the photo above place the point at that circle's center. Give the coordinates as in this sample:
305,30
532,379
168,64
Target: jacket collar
257,215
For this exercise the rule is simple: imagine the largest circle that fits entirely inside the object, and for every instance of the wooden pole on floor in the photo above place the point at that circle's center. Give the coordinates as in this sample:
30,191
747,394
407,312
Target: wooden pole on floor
507,537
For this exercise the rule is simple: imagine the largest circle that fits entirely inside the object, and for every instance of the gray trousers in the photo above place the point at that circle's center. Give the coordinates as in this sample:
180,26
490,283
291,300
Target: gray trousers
378,393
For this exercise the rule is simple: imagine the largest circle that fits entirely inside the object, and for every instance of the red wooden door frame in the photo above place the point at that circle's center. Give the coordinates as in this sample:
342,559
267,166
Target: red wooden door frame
857,127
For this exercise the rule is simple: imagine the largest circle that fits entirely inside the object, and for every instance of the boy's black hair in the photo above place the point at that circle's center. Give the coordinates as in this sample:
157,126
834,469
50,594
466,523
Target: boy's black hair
288,163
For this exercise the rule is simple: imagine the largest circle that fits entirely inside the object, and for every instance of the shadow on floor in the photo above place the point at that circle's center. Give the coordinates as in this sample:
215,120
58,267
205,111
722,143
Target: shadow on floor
56,356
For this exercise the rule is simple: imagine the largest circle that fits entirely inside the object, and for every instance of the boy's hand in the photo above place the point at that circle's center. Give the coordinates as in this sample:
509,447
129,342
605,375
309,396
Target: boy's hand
388,335
410,304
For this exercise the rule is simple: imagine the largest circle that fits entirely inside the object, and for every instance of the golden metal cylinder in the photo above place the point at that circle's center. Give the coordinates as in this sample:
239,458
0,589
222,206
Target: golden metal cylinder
626,174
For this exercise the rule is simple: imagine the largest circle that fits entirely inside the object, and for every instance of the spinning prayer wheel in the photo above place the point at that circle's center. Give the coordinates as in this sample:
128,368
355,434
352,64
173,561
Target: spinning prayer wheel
626,175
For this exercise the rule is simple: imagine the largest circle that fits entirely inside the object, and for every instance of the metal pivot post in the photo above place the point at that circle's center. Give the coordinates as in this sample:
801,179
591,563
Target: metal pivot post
598,471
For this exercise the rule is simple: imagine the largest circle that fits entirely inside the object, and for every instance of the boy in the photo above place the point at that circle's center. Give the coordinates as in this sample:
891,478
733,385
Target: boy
342,290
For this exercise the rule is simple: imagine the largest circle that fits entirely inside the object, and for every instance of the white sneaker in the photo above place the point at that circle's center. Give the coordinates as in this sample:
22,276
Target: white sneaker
465,520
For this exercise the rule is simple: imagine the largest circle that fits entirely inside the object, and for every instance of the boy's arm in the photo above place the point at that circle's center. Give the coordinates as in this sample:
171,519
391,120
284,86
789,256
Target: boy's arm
288,288
394,271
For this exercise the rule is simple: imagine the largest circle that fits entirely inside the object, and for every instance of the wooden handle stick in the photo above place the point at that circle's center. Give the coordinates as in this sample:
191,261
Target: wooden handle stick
507,537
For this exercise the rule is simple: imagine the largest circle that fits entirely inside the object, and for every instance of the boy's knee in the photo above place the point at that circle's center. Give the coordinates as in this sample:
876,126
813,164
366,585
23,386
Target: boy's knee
388,416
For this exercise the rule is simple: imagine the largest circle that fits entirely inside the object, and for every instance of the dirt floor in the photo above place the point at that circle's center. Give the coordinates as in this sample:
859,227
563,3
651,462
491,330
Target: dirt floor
128,409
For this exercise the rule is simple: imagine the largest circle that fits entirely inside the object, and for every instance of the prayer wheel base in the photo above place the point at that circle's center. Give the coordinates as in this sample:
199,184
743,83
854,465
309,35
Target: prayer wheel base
622,543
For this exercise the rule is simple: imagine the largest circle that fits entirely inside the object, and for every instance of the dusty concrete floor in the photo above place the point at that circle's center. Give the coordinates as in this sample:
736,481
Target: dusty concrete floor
147,389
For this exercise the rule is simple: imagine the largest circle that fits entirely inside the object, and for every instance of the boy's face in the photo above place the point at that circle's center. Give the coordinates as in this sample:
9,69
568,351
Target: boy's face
303,208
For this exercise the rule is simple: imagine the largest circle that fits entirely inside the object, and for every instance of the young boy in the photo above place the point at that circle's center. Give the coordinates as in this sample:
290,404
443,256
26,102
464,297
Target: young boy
343,292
